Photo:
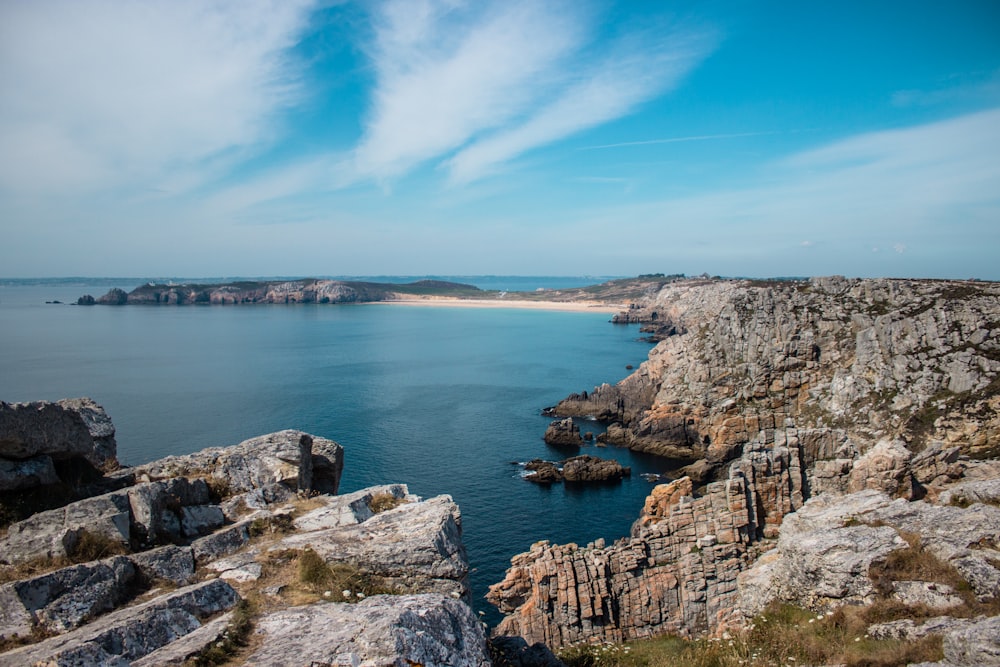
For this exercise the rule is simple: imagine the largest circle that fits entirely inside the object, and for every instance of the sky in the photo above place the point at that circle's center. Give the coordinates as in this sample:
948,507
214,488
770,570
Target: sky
443,137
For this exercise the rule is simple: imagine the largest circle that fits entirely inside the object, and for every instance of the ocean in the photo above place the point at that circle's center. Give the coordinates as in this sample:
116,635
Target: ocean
446,400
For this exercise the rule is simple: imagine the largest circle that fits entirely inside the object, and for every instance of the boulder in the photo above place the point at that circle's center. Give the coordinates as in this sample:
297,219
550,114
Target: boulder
67,429
563,433
416,547
256,464
430,630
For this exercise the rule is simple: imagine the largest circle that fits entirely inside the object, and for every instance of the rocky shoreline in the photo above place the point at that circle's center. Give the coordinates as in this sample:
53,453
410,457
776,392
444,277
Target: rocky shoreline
825,427
834,444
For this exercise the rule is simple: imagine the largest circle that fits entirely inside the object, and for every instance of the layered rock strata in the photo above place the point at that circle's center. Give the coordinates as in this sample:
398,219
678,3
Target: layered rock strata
780,392
680,572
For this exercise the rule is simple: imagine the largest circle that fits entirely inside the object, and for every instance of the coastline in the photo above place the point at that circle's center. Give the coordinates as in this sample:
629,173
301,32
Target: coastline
452,302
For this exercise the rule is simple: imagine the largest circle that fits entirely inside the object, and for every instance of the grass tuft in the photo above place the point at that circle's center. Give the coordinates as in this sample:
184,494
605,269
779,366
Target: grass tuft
380,502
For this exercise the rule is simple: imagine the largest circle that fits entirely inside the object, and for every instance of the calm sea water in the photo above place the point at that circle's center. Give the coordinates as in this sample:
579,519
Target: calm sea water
443,399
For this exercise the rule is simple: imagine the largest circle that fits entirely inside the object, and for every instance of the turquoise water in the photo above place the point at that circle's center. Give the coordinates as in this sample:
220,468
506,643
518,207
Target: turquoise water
443,399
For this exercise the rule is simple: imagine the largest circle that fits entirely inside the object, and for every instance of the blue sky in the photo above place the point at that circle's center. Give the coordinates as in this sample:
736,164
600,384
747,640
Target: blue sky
269,137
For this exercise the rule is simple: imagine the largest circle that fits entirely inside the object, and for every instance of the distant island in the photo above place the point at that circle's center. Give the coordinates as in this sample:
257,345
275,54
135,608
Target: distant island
321,291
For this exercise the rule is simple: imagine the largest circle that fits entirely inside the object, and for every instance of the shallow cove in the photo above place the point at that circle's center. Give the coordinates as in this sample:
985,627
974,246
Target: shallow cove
443,399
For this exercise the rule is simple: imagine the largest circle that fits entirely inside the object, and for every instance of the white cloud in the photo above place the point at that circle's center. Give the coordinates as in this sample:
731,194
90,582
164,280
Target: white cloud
446,71
103,93
493,83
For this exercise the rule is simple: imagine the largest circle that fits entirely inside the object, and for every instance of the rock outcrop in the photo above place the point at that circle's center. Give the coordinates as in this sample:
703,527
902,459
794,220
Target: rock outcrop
429,629
912,359
869,393
257,519
34,437
582,469
563,433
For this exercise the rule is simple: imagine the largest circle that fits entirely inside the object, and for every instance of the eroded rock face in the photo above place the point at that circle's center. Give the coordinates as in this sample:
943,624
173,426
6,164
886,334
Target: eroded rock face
35,434
910,359
430,630
677,574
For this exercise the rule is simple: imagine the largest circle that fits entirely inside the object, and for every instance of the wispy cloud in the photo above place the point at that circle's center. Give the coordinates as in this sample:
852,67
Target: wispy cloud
107,93
477,87
677,140
927,190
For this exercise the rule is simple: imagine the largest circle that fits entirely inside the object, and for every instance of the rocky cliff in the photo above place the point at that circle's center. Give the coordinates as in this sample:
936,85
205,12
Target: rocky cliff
779,396
237,553
914,359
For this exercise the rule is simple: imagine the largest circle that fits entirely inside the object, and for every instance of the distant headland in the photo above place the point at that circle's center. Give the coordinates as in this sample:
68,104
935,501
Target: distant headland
609,296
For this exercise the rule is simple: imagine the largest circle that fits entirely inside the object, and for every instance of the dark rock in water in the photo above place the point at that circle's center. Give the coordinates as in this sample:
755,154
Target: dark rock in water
629,367
114,297
543,472
563,433
588,436
86,300
57,302
576,469
593,469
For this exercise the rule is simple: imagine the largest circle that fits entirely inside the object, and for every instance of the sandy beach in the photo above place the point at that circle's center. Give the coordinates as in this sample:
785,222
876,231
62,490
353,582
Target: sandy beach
568,306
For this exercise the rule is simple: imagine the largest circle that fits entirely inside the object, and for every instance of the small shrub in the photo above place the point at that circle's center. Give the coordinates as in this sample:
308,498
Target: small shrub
338,582
380,502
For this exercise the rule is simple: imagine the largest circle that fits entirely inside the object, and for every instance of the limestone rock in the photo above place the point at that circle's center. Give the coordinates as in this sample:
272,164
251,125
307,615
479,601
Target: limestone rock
348,509
431,630
975,644
677,575
130,633
170,563
54,533
257,463
907,629
68,597
661,501
71,428
563,433
416,546
935,596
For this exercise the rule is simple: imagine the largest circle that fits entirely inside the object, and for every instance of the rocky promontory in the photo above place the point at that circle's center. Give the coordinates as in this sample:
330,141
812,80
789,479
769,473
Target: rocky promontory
877,358
840,440
243,553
